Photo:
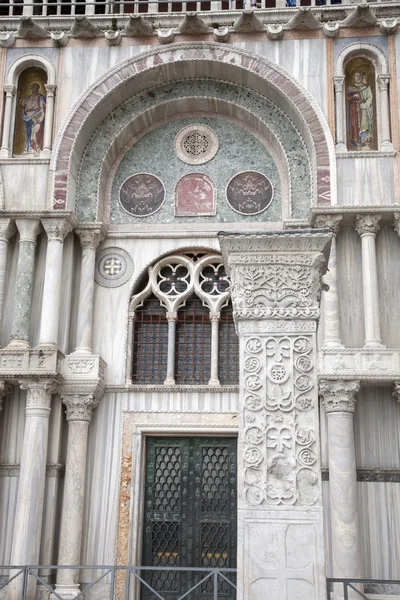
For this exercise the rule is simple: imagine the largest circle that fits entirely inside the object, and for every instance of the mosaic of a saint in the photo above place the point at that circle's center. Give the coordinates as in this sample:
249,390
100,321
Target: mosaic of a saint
360,112
33,114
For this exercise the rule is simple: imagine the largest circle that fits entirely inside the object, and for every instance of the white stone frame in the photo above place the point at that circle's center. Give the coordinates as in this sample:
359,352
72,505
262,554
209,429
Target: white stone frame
382,80
11,86
172,305
136,427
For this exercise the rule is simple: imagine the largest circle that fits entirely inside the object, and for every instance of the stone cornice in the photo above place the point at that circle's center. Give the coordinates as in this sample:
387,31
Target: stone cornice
13,470
173,389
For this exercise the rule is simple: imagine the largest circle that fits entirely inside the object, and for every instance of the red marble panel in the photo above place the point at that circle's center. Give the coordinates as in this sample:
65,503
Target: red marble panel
195,196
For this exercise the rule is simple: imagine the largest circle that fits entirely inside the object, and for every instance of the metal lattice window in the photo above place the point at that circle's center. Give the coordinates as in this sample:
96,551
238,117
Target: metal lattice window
228,348
150,346
193,343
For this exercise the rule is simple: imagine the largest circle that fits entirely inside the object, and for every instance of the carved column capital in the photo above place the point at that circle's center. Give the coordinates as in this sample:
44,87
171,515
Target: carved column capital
28,229
80,406
396,224
328,222
9,90
7,229
338,83
38,397
91,238
339,396
57,229
396,391
172,316
50,89
383,82
215,317
367,224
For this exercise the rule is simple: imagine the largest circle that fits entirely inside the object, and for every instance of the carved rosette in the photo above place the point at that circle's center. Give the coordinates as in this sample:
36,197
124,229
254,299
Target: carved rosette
281,465
80,406
367,224
276,276
57,229
339,396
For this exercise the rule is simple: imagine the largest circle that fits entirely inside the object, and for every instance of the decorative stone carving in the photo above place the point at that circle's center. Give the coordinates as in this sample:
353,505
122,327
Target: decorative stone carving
114,267
396,391
113,38
221,34
7,39
196,144
166,35
331,29
39,393
28,28
138,26
142,194
275,31
91,237
303,19
361,16
248,22
271,284
79,407
339,396
193,24
57,229
249,193
59,38
5,390
328,222
83,28
367,224
388,26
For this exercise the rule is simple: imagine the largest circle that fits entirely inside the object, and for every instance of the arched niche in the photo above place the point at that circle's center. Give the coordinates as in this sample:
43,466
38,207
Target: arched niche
192,61
28,112
362,94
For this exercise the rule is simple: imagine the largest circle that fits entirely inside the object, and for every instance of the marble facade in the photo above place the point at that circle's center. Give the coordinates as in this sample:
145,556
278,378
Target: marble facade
314,284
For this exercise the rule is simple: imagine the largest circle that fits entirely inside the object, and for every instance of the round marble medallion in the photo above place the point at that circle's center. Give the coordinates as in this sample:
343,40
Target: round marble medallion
196,144
114,267
249,193
142,195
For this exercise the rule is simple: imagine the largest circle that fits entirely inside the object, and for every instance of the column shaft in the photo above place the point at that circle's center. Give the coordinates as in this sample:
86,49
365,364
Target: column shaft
48,126
7,229
383,83
129,350
214,349
172,318
340,120
28,230
29,509
5,141
367,227
56,231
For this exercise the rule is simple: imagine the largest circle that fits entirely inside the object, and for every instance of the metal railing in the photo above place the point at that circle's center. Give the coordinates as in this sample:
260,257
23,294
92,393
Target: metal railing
22,577
352,588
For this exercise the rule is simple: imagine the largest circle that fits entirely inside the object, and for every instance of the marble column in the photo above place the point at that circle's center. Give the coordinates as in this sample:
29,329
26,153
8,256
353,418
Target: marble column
5,150
129,349
48,125
339,399
276,284
341,145
214,318
28,230
367,228
383,84
172,318
90,239
7,230
29,509
330,296
57,230
5,390
79,413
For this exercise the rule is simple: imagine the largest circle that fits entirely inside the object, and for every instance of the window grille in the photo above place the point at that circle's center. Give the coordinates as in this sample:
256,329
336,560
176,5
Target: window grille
181,329
151,343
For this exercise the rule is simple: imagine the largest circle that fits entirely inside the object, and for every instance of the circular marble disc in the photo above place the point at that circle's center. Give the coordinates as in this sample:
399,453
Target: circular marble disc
249,193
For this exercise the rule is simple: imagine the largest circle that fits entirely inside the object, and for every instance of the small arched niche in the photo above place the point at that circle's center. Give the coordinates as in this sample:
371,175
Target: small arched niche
360,89
30,112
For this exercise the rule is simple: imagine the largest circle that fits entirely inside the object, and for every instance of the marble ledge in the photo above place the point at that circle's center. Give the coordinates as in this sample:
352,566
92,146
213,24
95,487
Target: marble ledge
373,475
366,154
349,212
24,161
13,469
128,389
374,364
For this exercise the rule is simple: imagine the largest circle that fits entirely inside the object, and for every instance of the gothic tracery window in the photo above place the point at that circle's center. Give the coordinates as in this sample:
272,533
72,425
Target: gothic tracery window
182,328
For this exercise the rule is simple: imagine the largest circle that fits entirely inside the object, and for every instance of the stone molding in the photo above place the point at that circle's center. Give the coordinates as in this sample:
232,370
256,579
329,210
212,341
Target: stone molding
367,224
339,396
276,275
364,364
13,470
376,475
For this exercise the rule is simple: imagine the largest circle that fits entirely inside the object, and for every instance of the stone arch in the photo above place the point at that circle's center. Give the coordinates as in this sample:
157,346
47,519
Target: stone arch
30,60
361,49
193,60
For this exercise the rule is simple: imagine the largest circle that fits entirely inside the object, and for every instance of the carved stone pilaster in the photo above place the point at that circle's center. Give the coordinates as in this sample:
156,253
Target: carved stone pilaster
339,396
5,390
367,224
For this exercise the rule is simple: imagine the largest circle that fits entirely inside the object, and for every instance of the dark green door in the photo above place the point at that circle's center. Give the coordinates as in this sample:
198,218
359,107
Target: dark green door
190,514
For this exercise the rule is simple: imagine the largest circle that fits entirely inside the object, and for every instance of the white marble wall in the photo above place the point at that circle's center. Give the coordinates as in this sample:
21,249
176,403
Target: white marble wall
366,180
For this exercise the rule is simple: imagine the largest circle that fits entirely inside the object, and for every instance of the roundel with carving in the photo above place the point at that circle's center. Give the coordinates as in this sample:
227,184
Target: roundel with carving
249,193
142,195
114,267
196,144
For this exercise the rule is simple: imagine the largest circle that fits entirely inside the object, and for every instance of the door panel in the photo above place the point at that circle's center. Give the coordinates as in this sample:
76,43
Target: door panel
190,513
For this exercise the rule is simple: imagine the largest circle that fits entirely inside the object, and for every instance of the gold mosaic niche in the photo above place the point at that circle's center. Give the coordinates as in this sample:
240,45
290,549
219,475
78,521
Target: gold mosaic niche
27,77
363,65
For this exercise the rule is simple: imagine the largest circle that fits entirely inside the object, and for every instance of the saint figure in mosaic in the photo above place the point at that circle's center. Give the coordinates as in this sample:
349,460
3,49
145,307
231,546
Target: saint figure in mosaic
360,112
34,110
